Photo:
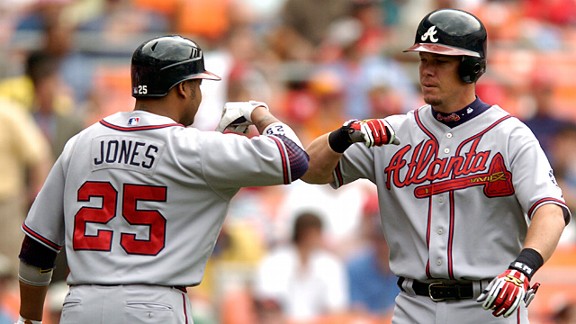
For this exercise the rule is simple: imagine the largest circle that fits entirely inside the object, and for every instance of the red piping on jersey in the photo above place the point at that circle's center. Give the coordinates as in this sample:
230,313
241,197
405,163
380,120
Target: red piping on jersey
338,174
284,157
184,307
40,238
485,130
138,128
423,128
451,234
544,200
429,220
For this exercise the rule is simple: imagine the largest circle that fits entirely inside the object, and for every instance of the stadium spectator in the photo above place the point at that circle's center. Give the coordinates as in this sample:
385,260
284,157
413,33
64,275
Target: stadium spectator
40,13
24,163
7,314
302,278
372,285
56,121
543,121
362,71
303,25
562,157
565,314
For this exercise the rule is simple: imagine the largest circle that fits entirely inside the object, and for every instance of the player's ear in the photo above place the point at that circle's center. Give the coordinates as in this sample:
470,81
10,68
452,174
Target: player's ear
188,87
182,89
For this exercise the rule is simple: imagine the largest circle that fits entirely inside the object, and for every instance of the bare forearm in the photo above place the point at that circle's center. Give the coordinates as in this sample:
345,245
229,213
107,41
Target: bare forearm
262,118
545,230
323,160
32,298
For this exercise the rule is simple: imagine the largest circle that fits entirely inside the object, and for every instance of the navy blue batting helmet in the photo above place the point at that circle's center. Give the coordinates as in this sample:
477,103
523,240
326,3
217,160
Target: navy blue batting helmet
454,32
161,63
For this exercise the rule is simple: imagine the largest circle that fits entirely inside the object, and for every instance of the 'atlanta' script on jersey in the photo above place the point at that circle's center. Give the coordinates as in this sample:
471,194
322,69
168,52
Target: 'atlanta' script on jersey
450,173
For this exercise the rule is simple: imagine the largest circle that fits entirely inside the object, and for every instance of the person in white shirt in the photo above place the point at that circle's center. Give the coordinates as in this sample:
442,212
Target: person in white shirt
305,280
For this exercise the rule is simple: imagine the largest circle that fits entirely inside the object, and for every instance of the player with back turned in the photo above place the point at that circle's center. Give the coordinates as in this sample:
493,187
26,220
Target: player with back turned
138,199
468,200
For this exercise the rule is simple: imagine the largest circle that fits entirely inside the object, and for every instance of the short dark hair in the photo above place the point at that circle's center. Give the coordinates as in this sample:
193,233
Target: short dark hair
39,65
304,221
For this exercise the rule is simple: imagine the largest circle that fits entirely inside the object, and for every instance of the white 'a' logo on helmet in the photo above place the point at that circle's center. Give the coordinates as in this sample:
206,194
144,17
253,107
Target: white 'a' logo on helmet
431,32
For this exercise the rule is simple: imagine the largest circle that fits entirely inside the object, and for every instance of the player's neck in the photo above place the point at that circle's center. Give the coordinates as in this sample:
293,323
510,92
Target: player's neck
454,104
156,106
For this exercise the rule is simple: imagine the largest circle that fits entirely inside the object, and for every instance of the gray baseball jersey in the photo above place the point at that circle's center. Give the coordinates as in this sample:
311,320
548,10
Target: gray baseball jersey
455,202
140,199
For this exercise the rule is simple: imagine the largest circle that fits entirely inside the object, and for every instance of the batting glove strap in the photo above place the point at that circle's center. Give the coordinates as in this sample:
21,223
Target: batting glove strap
371,132
528,262
339,140
505,293
531,293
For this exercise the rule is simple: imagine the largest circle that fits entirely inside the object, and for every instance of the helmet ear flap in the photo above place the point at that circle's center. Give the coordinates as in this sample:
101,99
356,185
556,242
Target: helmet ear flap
471,68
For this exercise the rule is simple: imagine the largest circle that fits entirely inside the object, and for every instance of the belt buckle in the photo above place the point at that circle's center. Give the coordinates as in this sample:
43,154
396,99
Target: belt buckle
437,284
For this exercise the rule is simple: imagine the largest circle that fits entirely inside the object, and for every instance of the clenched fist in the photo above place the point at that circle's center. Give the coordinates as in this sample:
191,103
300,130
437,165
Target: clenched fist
236,115
372,132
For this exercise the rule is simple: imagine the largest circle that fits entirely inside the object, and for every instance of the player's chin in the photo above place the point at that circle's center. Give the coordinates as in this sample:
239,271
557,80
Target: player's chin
431,99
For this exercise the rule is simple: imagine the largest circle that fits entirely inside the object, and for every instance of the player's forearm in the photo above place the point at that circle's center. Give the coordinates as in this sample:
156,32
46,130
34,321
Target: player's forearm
326,150
32,298
323,161
262,118
545,230
35,274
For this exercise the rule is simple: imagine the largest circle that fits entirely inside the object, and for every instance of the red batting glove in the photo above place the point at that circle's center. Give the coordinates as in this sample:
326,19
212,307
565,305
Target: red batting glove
373,132
505,293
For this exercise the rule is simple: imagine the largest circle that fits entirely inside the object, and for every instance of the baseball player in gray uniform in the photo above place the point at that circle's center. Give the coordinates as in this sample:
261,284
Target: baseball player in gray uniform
468,200
138,199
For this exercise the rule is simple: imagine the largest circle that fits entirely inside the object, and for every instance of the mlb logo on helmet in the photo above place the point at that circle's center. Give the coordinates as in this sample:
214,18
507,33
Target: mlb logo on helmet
133,121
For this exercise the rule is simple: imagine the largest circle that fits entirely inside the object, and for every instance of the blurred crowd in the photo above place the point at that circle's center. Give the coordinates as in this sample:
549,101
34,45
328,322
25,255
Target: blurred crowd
299,253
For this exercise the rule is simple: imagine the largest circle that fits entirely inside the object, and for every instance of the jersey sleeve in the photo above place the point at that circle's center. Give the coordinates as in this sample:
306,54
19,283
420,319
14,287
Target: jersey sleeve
357,162
234,161
297,157
534,181
45,220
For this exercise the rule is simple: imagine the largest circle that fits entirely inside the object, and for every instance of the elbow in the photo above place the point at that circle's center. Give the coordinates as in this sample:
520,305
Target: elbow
316,176
299,165
308,178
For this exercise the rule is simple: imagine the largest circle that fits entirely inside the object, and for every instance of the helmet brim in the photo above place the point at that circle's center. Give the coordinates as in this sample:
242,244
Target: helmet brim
441,49
207,75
